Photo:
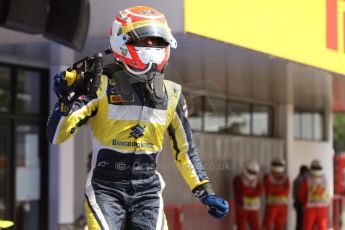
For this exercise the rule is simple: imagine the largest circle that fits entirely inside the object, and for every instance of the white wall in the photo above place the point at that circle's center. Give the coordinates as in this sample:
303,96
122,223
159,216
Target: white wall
312,91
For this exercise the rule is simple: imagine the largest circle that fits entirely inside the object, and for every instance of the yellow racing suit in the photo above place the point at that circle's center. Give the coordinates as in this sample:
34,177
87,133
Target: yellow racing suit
123,186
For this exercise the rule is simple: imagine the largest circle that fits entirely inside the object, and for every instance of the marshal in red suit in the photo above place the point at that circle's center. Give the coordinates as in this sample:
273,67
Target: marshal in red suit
277,187
247,191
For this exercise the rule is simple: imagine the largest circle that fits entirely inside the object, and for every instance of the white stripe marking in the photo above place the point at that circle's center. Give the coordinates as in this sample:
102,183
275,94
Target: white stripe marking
134,112
161,204
90,193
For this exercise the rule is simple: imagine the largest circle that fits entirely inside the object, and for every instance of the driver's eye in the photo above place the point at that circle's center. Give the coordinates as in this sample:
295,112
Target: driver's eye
149,42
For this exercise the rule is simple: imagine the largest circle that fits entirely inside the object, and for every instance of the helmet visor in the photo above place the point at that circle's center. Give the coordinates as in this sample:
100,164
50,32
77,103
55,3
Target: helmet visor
252,172
277,164
141,30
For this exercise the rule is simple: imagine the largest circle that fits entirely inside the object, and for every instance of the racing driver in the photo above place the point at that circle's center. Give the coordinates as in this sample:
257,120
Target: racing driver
128,115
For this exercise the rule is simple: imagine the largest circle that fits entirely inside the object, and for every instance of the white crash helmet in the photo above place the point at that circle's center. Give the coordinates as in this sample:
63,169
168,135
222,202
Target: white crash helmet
251,170
278,165
134,24
316,169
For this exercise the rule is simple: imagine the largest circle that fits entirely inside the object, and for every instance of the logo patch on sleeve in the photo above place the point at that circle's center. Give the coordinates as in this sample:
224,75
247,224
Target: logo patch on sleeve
117,98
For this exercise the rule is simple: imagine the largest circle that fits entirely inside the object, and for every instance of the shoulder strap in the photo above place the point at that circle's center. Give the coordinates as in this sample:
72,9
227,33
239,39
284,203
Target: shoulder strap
174,92
111,68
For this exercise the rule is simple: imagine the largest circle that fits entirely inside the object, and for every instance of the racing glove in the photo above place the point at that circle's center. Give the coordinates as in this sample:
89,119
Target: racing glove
217,207
64,89
63,86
